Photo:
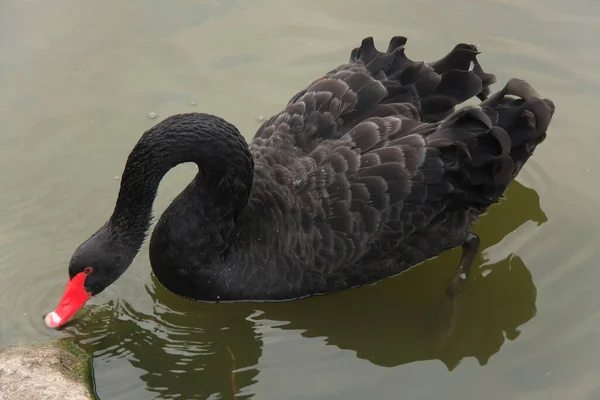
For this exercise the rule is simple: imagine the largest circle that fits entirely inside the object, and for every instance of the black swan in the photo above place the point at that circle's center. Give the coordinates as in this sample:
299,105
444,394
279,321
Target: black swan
366,172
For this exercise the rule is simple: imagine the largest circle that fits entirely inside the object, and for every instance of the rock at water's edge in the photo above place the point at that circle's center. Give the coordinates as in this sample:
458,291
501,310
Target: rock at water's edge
54,370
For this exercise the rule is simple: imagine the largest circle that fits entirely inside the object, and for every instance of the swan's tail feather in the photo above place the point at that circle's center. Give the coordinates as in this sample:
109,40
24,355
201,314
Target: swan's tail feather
434,88
485,147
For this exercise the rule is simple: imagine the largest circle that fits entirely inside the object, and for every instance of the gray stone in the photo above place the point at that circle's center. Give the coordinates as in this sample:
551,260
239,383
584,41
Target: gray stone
54,370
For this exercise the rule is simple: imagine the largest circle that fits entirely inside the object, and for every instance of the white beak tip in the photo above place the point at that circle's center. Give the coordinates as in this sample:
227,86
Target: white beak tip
52,320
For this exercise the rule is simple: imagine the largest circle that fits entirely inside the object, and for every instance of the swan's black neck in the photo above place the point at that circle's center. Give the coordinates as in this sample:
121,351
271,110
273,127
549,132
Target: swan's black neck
216,146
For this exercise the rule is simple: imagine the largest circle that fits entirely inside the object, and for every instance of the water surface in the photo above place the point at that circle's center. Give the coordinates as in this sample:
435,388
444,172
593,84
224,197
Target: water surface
78,80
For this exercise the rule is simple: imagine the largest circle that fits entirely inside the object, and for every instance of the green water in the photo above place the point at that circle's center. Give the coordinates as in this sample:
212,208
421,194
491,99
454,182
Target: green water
77,81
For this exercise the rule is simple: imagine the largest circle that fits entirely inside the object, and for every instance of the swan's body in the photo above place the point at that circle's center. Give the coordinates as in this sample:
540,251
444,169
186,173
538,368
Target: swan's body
365,173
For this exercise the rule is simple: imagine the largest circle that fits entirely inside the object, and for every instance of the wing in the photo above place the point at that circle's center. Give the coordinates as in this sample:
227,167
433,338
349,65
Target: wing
376,84
351,170
393,189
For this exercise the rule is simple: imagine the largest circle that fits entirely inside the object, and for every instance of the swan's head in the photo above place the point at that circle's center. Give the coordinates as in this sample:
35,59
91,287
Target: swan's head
95,265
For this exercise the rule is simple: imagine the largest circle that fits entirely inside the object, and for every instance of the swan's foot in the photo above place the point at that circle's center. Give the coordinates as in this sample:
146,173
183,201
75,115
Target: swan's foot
470,249
451,304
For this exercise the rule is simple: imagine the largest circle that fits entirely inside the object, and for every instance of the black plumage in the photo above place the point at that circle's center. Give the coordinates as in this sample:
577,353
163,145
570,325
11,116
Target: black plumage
366,172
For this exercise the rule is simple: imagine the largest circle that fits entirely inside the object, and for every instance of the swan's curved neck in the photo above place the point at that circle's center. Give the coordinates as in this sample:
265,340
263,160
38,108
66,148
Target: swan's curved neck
221,153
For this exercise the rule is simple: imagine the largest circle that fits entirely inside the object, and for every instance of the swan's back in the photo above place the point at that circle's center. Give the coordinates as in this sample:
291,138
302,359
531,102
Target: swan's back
370,169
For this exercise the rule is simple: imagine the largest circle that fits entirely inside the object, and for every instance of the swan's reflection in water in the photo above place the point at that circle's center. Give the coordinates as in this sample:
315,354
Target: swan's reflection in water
188,350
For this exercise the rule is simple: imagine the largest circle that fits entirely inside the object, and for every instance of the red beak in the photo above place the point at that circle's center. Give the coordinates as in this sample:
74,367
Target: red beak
74,297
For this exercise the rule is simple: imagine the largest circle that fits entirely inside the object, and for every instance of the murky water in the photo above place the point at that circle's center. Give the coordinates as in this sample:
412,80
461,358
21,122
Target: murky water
77,81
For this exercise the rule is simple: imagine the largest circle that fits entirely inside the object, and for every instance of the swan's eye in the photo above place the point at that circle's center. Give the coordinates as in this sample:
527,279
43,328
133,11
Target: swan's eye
88,270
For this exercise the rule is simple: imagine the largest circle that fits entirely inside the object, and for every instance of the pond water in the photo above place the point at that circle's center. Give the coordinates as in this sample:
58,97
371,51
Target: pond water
78,80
